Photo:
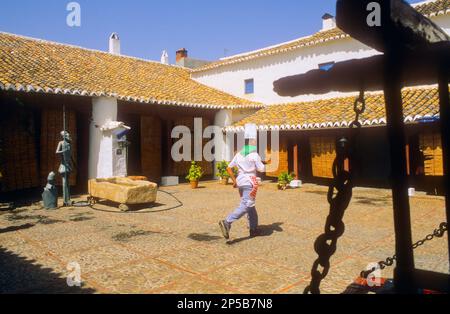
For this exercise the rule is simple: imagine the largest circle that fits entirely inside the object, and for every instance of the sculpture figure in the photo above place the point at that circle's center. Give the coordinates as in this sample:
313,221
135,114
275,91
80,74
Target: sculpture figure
65,150
50,195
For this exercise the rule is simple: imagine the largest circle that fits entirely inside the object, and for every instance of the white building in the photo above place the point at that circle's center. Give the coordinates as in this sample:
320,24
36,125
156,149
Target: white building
260,68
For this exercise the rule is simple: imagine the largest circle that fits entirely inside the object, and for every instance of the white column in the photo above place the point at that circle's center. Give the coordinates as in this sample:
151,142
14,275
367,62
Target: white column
101,155
222,119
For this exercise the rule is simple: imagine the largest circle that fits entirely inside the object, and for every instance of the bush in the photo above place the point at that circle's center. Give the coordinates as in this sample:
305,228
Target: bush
195,172
222,169
285,178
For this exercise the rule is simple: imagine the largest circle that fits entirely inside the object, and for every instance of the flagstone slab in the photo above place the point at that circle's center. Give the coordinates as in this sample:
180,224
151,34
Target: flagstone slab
102,258
71,244
139,277
255,277
198,259
194,285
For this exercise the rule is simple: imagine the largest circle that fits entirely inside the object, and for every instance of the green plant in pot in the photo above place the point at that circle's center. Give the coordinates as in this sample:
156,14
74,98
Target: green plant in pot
284,179
194,175
222,172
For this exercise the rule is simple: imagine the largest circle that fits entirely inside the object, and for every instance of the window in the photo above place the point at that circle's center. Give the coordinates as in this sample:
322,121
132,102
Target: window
326,66
249,86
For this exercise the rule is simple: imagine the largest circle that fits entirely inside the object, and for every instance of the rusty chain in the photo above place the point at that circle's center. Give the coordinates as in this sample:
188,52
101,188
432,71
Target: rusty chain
437,233
339,196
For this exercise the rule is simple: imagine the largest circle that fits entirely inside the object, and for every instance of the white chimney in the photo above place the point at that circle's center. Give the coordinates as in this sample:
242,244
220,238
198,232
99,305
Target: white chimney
114,44
165,57
328,22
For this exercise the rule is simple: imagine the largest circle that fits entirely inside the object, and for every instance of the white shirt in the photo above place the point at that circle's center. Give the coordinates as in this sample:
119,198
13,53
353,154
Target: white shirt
247,166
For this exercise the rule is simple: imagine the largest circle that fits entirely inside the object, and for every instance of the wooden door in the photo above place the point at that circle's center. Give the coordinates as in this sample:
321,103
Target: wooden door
151,156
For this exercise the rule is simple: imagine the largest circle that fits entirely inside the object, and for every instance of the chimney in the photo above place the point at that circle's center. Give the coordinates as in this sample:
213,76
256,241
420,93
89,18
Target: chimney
165,57
181,54
114,44
328,22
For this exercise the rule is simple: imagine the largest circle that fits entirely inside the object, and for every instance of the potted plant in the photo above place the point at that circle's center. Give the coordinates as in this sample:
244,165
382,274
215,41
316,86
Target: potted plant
284,179
222,172
194,175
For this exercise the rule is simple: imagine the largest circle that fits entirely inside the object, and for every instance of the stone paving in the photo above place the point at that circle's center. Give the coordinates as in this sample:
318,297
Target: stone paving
156,250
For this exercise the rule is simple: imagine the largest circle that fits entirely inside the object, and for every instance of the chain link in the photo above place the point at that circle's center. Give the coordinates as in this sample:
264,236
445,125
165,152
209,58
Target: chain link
339,196
438,233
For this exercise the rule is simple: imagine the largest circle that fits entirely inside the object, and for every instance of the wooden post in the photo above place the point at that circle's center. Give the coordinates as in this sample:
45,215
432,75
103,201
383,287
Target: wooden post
444,101
403,274
408,159
347,165
296,165
168,153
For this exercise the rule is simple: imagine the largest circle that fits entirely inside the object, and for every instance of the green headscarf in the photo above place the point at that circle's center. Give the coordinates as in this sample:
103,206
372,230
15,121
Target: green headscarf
248,149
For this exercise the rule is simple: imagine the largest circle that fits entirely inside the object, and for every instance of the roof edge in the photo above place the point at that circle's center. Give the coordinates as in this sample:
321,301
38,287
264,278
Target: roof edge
72,92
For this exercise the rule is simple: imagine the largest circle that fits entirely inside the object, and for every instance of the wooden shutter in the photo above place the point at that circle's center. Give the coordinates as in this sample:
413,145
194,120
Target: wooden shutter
431,146
283,158
182,168
323,154
19,156
51,126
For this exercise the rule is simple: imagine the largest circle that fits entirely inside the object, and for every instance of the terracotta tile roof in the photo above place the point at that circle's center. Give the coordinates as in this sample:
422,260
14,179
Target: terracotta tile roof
32,65
429,9
433,8
420,103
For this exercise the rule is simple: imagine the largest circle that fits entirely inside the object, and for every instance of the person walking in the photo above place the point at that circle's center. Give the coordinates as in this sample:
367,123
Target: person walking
248,163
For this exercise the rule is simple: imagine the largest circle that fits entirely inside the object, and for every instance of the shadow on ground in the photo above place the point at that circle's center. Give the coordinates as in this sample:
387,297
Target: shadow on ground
263,231
203,237
16,228
20,275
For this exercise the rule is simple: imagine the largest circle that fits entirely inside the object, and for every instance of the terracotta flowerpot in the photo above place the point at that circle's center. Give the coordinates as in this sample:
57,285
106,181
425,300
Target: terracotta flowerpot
224,181
194,184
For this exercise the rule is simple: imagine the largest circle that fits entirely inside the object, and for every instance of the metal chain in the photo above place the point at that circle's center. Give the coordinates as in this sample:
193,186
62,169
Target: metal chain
437,233
339,196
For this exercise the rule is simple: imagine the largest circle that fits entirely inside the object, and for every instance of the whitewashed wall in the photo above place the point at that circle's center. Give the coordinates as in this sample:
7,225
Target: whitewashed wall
266,70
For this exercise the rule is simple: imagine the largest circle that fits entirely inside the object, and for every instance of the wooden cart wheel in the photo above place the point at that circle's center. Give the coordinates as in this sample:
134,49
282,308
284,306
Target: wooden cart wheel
92,200
124,207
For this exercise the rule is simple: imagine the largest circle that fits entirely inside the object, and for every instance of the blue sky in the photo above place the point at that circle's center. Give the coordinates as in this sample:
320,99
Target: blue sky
209,29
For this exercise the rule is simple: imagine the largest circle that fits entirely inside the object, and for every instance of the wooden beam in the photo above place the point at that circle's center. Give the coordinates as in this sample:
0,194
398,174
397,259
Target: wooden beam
400,24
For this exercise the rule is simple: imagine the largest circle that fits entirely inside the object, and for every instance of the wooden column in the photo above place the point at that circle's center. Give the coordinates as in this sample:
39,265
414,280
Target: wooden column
347,165
396,133
296,164
167,163
408,159
444,101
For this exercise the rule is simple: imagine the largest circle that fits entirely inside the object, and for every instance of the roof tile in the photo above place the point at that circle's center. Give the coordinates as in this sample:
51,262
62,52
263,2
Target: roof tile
35,65
418,102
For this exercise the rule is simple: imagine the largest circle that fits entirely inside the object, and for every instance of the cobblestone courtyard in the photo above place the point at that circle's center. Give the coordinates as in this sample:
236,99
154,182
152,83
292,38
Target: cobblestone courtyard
182,251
